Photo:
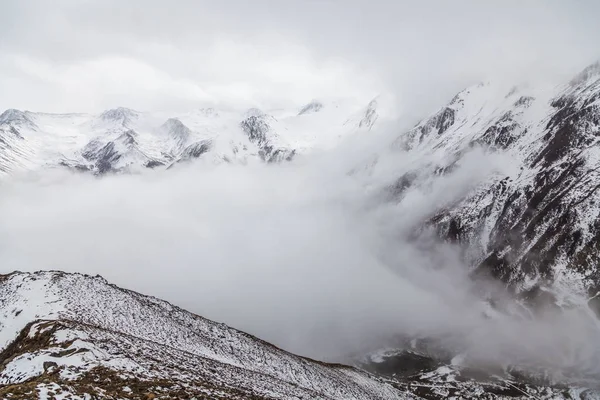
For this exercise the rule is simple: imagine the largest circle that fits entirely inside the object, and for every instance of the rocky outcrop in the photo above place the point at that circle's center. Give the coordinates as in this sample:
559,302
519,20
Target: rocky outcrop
260,133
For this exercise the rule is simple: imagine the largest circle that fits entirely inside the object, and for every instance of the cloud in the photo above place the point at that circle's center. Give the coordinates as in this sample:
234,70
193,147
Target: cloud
301,254
274,54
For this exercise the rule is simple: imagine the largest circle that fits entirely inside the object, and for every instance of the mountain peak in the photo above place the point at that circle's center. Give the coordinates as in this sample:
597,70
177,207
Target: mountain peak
176,127
590,72
119,114
15,116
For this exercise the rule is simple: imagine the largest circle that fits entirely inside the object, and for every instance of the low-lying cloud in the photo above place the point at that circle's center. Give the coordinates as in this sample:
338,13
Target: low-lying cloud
303,254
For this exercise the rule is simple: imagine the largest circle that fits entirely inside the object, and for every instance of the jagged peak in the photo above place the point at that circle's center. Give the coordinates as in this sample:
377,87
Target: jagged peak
312,107
175,126
119,114
15,116
591,71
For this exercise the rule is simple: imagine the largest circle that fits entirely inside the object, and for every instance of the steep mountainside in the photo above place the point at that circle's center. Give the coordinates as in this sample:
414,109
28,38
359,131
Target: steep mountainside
536,228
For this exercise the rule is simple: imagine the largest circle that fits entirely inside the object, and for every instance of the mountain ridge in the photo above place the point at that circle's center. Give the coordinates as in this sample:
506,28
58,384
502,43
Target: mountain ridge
74,334
93,143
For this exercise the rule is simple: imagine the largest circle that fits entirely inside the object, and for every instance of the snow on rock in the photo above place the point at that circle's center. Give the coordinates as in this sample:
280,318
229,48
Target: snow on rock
312,107
120,115
533,224
124,140
83,335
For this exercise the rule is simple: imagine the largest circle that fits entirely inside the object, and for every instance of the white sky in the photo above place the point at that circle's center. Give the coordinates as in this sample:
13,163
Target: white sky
68,55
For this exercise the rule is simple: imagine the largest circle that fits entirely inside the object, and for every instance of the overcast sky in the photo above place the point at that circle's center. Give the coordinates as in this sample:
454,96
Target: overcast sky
67,55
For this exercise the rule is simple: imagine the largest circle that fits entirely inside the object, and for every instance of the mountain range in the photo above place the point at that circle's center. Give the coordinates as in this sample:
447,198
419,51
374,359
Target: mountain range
531,227
123,140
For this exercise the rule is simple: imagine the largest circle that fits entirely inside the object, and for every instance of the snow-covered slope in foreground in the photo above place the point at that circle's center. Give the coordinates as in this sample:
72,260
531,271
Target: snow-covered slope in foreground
76,336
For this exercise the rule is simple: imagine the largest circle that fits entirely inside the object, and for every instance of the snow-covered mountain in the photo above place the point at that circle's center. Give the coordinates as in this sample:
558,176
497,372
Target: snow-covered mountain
121,139
535,227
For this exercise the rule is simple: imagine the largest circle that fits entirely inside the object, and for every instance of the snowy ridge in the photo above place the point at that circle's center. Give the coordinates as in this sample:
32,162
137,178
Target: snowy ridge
75,333
73,336
124,140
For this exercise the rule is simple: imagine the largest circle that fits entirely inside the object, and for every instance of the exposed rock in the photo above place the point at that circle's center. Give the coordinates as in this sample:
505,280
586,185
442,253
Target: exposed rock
311,107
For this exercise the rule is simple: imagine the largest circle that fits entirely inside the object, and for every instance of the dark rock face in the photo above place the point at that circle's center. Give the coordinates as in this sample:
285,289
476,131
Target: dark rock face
153,164
257,129
403,364
311,107
105,156
445,120
196,150
500,134
546,221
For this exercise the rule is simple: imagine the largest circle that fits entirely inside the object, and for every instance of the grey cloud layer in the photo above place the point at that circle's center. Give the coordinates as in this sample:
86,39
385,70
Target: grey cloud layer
91,55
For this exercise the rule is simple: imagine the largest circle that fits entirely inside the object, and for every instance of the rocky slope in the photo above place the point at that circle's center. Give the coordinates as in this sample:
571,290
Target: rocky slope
535,227
532,225
75,336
